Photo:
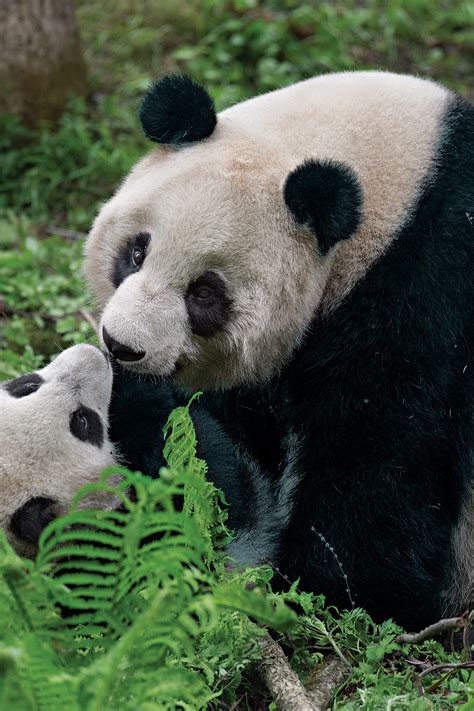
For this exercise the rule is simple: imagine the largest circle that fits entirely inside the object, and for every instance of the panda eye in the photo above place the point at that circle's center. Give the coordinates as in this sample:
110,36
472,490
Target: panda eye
24,385
80,424
130,258
86,425
202,293
208,304
83,422
138,255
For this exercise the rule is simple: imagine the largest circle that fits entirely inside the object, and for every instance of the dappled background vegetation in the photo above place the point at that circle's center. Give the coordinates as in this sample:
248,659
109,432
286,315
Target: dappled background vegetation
52,180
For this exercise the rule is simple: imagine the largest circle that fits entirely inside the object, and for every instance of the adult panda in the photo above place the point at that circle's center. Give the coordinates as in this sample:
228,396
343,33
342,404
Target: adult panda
307,259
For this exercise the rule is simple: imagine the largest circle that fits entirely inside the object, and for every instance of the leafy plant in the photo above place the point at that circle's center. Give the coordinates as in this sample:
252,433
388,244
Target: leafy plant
136,608
145,591
41,294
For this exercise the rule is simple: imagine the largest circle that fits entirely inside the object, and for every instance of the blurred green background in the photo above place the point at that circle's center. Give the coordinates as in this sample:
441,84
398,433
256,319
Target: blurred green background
56,176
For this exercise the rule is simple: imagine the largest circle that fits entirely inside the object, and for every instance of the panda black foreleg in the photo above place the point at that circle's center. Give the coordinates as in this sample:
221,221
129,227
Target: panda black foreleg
138,413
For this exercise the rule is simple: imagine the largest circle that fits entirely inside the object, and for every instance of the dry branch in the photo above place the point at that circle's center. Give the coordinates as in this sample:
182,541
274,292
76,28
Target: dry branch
442,667
433,630
87,316
323,682
72,235
282,682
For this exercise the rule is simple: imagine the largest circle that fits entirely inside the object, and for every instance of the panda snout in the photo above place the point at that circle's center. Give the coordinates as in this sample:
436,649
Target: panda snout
29,521
119,350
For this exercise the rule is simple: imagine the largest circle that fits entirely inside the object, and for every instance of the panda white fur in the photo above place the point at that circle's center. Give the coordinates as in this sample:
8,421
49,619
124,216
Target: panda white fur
53,440
307,258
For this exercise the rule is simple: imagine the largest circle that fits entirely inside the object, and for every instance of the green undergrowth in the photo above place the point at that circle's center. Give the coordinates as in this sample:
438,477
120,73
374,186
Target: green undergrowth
42,297
157,619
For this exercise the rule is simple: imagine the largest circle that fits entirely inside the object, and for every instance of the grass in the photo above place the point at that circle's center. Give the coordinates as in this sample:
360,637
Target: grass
58,176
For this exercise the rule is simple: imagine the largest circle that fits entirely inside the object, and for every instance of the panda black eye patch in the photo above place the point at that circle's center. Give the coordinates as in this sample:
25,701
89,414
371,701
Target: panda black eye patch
130,258
208,304
25,385
86,425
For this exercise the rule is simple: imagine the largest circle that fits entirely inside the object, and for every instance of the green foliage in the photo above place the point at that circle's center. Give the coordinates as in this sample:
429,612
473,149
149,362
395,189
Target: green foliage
148,598
43,304
259,45
155,618
63,173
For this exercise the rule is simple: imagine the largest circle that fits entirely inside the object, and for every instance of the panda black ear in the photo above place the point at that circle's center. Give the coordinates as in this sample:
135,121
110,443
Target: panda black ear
177,110
326,197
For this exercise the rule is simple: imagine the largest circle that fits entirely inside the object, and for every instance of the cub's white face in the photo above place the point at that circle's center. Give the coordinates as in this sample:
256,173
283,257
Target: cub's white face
53,440
199,269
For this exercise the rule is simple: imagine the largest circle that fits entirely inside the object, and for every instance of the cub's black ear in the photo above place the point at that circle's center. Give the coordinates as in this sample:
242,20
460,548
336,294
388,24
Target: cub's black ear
327,197
177,110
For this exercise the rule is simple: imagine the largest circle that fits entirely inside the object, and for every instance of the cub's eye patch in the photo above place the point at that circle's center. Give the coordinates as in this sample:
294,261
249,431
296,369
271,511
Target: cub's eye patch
86,425
208,304
130,258
25,385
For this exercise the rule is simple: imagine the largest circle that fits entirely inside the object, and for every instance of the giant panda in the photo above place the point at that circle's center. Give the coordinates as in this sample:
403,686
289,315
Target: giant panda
306,258
53,439
60,427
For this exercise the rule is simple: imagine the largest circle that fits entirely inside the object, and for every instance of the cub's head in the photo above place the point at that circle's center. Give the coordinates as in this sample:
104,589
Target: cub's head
53,440
209,262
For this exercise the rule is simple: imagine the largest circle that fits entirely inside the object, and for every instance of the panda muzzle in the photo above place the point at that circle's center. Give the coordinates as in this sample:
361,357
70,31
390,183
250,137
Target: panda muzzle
29,521
119,350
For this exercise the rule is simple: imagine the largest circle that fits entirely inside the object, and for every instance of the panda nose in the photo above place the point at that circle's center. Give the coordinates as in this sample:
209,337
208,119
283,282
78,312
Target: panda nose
118,350
28,522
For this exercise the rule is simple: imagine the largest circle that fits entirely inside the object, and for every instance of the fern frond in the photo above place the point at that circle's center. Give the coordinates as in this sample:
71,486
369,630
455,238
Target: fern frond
202,500
146,595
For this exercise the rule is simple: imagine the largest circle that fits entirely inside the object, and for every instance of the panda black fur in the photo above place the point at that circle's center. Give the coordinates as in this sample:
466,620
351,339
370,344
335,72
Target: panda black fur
138,411
338,216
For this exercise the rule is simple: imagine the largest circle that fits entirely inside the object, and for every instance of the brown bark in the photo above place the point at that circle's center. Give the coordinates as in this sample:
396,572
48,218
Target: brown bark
40,58
283,684
323,681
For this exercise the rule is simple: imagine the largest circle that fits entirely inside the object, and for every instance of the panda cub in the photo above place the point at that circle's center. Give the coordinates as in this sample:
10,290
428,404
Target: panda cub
57,434
53,439
306,258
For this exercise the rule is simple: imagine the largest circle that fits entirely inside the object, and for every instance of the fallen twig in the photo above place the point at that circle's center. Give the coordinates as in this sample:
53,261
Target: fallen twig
282,682
8,312
440,667
90,319
323,682
72,235
434,629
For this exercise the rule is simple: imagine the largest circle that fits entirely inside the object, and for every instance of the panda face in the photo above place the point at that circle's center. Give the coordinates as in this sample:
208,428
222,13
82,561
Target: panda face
201,274
53,437
215,254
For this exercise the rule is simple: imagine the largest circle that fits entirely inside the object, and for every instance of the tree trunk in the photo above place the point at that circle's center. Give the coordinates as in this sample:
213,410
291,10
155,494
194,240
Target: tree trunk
40,58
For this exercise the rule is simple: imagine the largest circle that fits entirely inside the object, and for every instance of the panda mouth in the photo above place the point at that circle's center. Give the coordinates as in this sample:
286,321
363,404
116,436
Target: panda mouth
118,368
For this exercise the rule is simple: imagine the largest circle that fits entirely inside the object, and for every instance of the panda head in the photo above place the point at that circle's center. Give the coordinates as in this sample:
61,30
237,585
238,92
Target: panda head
209,262
53,440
